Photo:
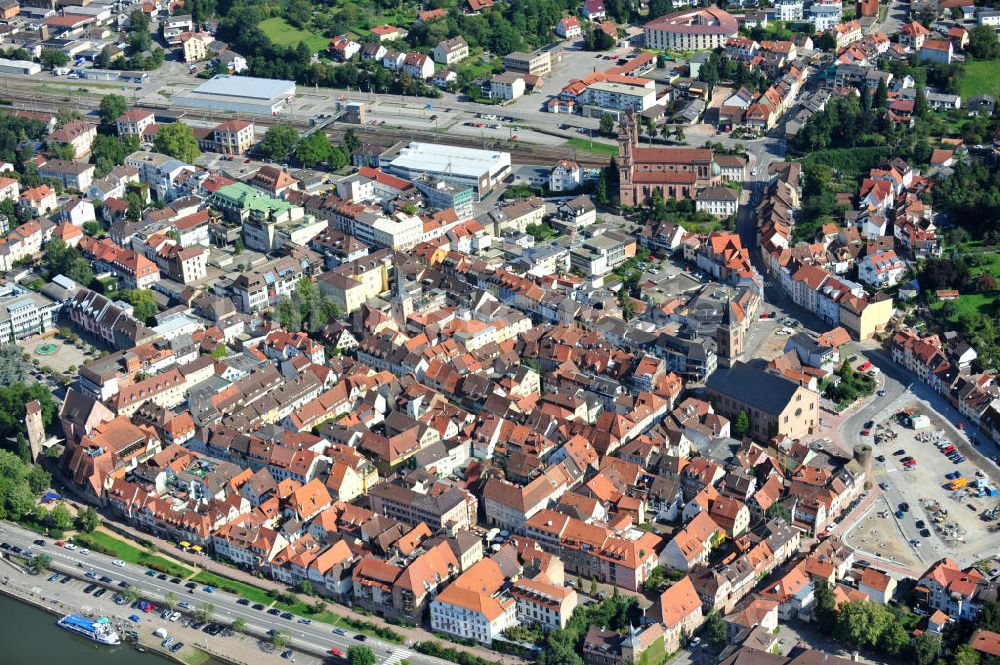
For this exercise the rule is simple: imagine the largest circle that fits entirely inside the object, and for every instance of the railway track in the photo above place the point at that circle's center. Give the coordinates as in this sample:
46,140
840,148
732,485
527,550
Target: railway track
524,153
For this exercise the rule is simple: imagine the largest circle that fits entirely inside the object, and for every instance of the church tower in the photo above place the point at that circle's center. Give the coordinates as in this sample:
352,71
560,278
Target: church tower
36,428
730,336
628,139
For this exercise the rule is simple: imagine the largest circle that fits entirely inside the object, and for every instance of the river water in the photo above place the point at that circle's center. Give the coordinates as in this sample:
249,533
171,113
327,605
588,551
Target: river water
30,636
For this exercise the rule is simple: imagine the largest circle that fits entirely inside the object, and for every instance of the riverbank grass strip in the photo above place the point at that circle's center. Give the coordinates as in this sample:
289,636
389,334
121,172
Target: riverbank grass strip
101,542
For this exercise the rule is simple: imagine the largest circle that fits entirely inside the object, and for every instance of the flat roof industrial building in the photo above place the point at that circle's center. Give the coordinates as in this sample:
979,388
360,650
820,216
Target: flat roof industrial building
244,94
25,67
480,169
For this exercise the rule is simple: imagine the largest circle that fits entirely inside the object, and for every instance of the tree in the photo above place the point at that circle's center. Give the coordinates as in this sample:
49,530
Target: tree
679,133
239,625
279,142
52,58
170,600
13,399
824,605
881,96
983,43
715,630
966,655
826,42
314,149
986,282
39,562
143,303
306,587
920,104
112,107
658,8
360,655
989,617
925,648
607,126
741,426
238,246
859,624
65,152
351,141
289,315
132,593
60,518
280,640
177,140
893,639
593,586
205,612
108,152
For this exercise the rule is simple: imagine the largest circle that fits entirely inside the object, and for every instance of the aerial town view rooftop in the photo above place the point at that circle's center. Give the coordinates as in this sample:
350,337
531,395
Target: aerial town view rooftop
493,332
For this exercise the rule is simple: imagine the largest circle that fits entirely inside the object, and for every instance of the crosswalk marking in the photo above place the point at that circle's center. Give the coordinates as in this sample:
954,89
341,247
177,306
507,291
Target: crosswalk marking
398,655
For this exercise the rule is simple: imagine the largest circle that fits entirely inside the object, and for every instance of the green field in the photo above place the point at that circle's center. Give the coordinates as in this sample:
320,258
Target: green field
977,303
282,33
102,542
599,148
982,303
980,78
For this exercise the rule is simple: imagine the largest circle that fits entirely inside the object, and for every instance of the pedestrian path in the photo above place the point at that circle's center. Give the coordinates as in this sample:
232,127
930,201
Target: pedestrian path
398,654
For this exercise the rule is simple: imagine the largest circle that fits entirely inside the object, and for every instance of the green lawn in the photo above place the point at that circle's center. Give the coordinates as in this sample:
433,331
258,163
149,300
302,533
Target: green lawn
981,303
282,33
980,78
599,148
102,542
251,593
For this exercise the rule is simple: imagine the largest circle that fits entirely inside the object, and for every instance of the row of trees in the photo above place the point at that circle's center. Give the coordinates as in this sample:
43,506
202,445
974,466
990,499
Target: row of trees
282,142
868,625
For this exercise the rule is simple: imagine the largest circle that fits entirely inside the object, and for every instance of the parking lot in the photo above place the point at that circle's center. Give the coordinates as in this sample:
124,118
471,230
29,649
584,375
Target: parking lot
934,505
156,628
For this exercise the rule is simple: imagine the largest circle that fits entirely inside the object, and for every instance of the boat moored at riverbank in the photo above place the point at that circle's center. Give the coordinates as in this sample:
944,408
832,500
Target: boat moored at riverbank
98,630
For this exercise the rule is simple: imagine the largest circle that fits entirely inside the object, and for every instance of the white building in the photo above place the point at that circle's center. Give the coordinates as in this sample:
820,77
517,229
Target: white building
691,30
825,15
401,231
788,10
480,169
418,65
568,27
621,96
718,201
243,94
507,86
450,51
881,270
567,175
24,313
473,607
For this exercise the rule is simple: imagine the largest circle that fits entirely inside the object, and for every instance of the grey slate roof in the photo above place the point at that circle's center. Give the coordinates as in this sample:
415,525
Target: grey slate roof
764,391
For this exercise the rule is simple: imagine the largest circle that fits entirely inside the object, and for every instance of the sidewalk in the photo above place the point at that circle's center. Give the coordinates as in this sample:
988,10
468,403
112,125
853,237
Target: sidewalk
203,562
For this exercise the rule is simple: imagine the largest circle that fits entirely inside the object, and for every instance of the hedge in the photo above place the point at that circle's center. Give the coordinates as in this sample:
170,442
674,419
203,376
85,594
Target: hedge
454,655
